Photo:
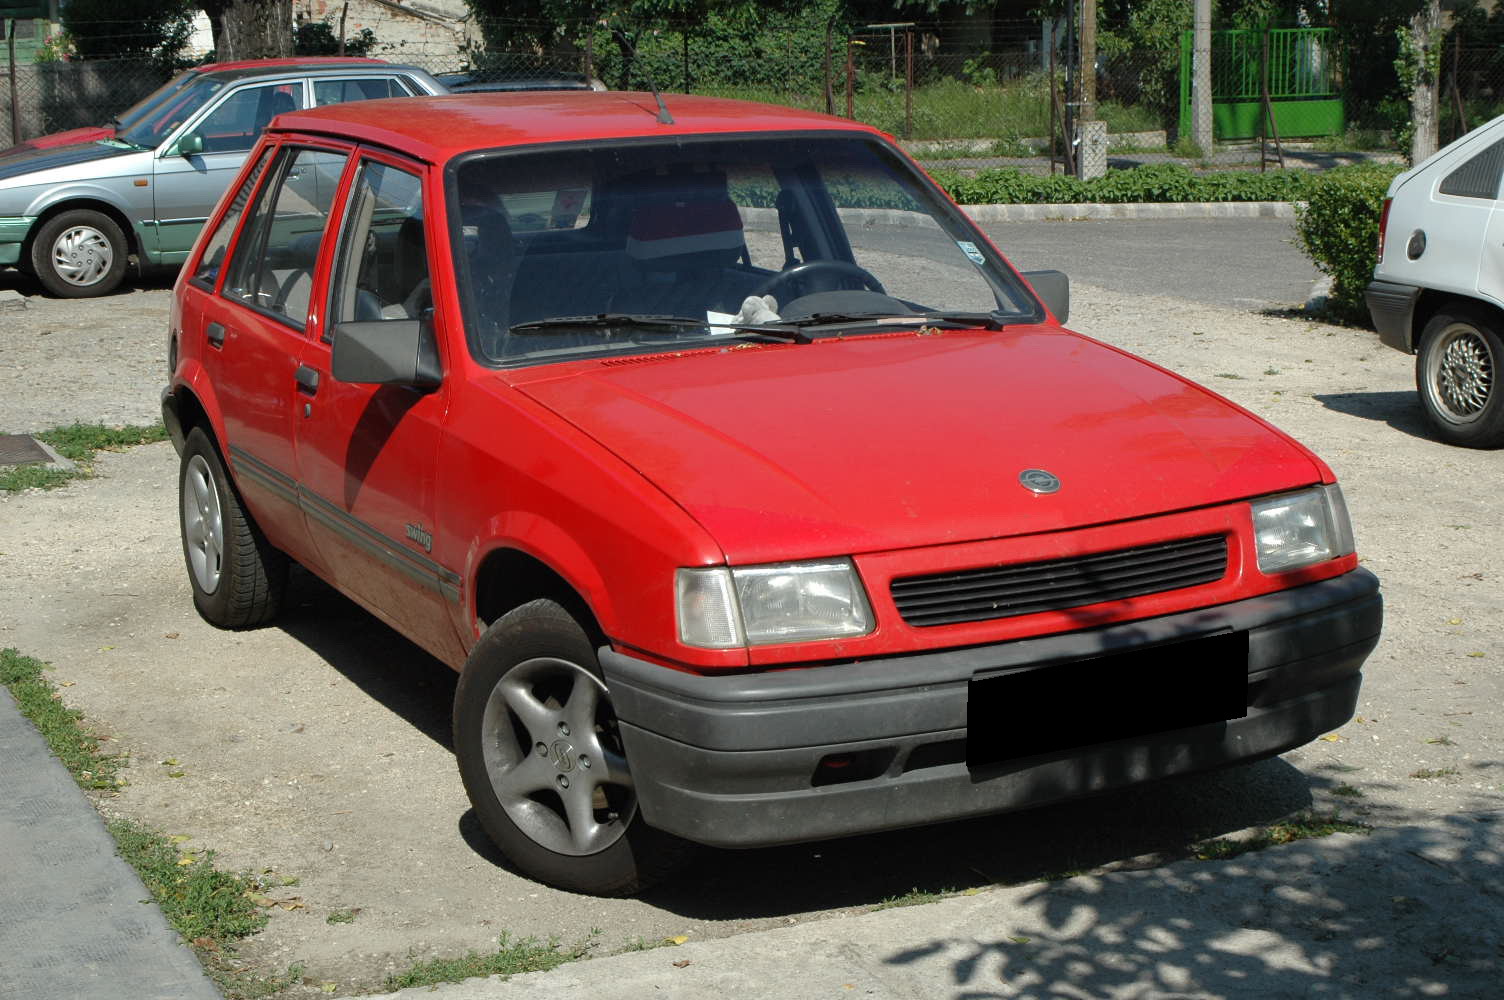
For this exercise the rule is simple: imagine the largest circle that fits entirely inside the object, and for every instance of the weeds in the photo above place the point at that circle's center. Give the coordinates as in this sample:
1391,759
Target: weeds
63,729
1305,827
78,443
914,897
509,959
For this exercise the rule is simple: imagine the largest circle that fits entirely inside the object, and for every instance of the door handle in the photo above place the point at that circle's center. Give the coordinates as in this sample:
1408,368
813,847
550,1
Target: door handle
308,380
215,334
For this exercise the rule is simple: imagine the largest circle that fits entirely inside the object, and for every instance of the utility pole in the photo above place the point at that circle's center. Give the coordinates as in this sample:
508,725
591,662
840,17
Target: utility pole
1201,77
1088,60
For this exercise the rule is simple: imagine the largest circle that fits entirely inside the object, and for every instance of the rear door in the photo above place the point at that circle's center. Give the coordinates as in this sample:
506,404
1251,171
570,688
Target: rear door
257,326
186,188
367,454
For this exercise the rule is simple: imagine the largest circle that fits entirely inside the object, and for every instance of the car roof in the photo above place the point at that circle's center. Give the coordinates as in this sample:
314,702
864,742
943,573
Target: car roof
437,128
313,65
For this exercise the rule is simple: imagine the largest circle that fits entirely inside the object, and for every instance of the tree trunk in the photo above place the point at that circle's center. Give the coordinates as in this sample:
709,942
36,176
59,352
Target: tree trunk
1425,39
1089,60
250,29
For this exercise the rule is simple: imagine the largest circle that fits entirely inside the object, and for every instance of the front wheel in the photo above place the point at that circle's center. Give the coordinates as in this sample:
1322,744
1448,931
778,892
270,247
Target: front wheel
542,760
237,576
79,253
1457,371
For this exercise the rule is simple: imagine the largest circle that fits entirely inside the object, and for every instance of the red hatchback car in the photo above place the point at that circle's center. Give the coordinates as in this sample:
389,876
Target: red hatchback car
754,495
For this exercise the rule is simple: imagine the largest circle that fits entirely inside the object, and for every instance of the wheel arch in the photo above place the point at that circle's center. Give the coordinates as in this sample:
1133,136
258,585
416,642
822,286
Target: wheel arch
1431,302
134,243
507,577
196,406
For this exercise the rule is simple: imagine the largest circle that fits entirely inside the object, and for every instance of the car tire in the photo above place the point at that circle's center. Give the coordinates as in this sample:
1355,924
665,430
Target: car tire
79,253
541,757
237,576
1457,374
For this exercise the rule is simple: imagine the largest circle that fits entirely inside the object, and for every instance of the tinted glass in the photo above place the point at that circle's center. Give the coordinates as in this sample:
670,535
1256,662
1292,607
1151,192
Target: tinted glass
272,269
1479,176
809,227
237,123
342,91
214,251
382,269
170,108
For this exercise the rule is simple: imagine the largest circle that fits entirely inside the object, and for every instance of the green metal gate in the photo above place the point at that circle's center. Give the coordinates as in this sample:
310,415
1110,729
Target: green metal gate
1301,65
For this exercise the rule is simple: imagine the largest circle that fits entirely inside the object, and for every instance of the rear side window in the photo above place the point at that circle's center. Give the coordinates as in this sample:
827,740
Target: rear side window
214,252
1479,176
272,269
344,91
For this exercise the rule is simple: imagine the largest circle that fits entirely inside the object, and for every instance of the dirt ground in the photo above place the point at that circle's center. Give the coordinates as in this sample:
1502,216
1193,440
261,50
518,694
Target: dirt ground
318,749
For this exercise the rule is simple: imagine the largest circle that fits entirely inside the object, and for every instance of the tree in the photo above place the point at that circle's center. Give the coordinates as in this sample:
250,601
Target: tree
250,29
128,29
1419,67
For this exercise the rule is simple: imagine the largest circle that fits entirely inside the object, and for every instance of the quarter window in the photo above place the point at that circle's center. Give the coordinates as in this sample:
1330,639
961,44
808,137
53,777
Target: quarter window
343,91
214,253
382,267
1479,176
273,265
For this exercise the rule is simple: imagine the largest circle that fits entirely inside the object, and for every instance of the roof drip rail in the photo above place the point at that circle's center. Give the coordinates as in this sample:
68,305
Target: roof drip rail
664,118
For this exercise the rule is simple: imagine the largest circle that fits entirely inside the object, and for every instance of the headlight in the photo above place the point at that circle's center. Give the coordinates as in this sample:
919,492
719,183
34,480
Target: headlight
724,608
1299,529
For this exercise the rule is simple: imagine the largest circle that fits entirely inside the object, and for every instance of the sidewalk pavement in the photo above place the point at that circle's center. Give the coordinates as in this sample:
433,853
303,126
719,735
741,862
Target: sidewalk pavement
1412,910
72,921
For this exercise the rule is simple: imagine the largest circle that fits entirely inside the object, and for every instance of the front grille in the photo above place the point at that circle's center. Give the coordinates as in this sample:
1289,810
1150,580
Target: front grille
1027,588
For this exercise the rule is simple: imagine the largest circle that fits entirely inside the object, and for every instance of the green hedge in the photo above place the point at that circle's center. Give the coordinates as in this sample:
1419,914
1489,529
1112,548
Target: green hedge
1168,182
1338,228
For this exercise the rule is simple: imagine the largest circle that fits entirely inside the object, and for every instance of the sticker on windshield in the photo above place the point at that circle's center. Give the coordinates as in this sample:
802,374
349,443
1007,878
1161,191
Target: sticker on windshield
970,250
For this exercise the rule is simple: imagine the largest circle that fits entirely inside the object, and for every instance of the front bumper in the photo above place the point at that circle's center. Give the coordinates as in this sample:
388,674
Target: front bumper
13,231
1392,306
731,761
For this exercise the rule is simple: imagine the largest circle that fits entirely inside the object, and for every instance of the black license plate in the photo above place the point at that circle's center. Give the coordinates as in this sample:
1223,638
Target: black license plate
1115,696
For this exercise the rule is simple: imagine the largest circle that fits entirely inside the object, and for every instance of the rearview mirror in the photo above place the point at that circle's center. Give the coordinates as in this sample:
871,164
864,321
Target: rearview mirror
190,145
386,352
1054,289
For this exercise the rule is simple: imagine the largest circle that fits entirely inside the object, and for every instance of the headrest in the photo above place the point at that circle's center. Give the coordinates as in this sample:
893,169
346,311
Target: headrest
700,232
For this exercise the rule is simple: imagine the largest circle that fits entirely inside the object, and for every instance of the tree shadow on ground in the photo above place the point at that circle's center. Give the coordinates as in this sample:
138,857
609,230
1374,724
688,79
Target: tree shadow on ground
1407,911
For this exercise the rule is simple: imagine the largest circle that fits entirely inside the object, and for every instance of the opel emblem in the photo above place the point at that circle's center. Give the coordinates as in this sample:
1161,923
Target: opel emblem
563,755
1038,481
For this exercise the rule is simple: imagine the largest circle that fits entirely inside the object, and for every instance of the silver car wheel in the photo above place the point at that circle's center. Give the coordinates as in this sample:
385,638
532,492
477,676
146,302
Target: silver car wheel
203,524
553,759
1459,373
82,255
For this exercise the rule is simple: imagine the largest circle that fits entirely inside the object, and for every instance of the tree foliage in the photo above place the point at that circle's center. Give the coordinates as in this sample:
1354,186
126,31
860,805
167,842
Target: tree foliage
128,29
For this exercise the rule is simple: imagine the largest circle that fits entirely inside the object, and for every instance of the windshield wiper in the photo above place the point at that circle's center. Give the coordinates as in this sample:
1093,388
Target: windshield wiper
985,320
602,321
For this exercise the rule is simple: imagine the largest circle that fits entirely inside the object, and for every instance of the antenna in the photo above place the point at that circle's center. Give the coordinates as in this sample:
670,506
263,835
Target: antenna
664,118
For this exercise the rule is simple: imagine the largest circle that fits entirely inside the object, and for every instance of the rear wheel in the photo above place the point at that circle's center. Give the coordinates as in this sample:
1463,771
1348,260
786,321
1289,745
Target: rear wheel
541,757
79,253
237,576
1457,374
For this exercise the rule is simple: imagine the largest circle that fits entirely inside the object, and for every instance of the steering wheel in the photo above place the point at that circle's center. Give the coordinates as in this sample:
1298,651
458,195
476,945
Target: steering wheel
799,273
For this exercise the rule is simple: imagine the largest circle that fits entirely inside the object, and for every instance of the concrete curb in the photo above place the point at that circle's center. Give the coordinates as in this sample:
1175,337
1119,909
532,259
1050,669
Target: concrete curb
1134,210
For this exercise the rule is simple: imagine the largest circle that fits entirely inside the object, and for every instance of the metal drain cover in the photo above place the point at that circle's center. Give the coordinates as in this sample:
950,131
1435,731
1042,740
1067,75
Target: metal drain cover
21,449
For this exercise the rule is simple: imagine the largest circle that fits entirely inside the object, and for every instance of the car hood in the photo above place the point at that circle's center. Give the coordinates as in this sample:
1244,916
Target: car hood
882,443
68,138
14,166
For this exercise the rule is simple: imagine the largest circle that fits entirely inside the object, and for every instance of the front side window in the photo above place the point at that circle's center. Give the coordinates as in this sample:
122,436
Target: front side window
645,246
236,124
381,272
272,269
214,251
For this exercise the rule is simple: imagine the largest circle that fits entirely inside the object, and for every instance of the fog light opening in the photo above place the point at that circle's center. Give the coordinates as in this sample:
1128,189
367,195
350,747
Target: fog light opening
854,765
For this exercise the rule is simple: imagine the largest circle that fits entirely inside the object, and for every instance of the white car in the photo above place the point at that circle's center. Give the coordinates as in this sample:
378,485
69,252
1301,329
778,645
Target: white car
1438,289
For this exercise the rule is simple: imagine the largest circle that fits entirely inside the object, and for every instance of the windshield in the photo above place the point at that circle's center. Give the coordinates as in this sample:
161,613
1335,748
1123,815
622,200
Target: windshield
635,247
171,109
136,111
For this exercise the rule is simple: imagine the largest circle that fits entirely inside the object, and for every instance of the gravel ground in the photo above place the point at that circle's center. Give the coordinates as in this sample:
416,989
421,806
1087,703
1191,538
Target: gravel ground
318,749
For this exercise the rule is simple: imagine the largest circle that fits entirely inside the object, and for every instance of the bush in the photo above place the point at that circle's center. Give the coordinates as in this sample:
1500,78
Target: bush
1338,229
1156,183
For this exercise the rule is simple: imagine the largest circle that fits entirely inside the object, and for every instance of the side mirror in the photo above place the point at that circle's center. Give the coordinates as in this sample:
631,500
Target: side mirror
191,144
1054,288
387,352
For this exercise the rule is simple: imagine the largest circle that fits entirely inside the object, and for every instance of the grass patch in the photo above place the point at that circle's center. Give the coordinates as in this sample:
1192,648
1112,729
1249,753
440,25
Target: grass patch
67,737
1427,773
1299,828
914,897
1348,792
509,959
78,443
342,916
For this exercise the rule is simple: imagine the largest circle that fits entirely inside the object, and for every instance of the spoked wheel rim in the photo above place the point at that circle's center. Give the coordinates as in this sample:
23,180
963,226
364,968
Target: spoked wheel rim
82,255
554,758
203,524
1460,373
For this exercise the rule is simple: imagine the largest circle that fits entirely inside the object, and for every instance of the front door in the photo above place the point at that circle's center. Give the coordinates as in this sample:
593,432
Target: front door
367,454
186,187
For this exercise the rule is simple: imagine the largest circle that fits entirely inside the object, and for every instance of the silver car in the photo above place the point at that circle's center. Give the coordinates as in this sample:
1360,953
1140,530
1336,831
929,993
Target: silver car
75,214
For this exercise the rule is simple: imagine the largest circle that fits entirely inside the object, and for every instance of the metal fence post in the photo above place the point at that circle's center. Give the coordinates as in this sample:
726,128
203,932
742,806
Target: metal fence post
908,86
15,101
850,82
